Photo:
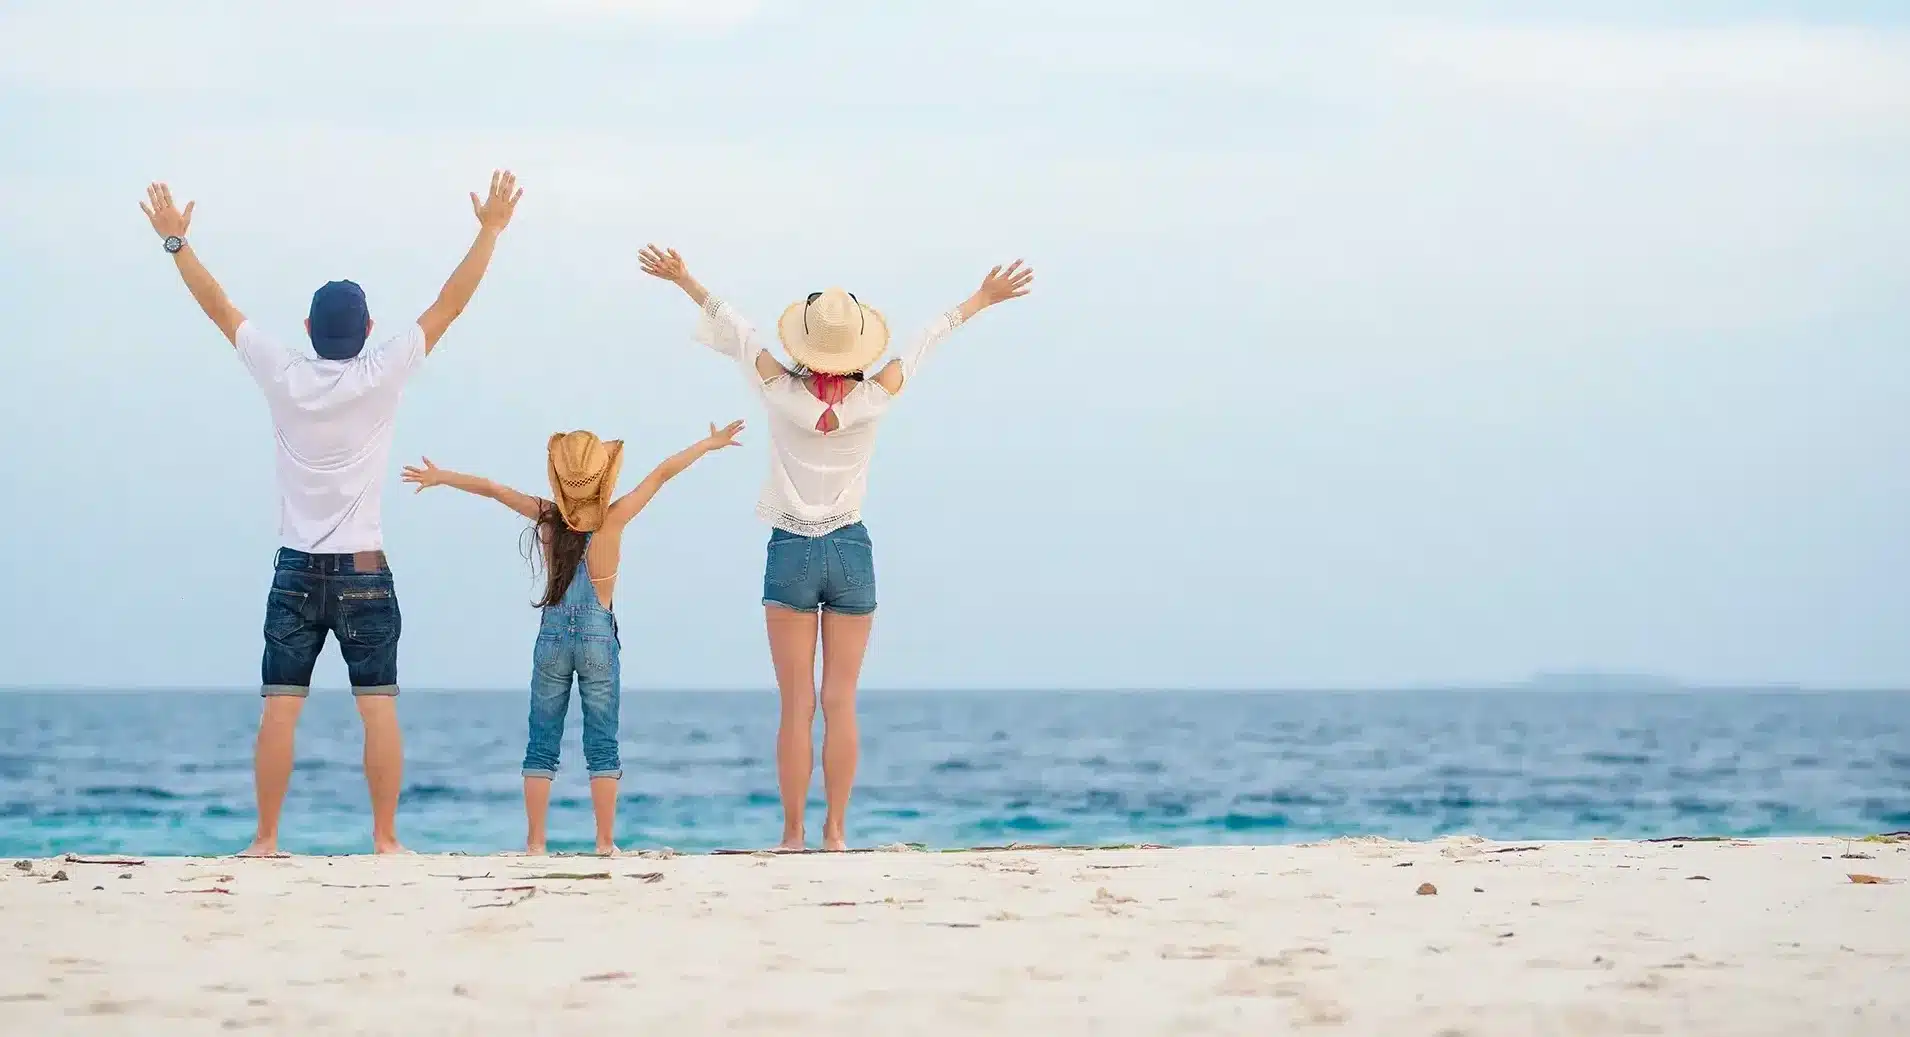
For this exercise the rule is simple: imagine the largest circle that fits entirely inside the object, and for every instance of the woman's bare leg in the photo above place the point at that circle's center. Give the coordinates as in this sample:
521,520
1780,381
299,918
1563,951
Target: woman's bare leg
792,647
844,640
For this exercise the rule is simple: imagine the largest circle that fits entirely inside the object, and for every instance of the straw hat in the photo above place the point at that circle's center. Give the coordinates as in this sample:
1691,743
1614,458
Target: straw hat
583,474
832,332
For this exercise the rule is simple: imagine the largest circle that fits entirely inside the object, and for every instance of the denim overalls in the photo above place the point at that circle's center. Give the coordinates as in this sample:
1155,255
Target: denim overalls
578,639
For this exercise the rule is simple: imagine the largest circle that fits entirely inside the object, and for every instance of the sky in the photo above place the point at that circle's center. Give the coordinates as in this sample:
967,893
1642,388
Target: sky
1373,344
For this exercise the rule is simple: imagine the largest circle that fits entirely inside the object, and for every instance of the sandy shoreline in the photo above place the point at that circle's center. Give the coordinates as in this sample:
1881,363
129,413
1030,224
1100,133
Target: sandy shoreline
1556,938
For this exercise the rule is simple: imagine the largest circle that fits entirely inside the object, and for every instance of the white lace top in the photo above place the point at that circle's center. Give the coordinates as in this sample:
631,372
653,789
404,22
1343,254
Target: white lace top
816,479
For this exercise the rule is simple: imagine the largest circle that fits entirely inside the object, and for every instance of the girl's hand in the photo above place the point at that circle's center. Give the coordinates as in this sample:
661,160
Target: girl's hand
723,437
663,263
429,475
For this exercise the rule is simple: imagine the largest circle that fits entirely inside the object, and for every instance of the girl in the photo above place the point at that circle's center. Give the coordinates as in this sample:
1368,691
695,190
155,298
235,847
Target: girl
820,571
579,539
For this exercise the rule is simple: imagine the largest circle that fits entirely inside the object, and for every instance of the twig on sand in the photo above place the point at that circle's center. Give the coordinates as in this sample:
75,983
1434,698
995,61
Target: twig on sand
564,875
646,876
1515,849
208,889
74,858
1690,839
604,977
461,878
523,893
349,885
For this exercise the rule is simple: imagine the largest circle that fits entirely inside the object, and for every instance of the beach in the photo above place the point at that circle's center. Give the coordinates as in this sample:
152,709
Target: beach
1457,936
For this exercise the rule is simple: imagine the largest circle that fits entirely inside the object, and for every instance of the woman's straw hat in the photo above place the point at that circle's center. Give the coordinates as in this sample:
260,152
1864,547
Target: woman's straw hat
832,332
583,474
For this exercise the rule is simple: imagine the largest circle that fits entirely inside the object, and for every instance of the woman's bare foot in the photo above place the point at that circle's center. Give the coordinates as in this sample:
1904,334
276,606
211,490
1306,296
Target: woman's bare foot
262,848
797,841
535,850
607,851
832,840
387,846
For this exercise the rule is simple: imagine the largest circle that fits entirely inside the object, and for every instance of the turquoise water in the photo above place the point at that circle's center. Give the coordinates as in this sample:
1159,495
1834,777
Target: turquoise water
170,772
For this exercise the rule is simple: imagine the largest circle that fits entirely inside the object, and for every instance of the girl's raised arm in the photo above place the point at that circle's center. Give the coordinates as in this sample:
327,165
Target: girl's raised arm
431,475
625,508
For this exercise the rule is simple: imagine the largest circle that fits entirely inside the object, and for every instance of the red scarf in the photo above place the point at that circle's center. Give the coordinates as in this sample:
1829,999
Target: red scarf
831,389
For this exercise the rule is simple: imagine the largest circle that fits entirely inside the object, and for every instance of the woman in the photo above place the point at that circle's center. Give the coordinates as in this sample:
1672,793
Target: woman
579,540
820,570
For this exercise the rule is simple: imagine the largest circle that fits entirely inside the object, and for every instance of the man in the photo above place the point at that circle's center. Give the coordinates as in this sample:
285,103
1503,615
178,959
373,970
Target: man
333,417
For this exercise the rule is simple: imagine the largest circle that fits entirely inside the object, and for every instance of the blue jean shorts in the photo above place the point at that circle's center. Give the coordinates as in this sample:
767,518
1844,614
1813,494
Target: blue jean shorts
834,572
351,597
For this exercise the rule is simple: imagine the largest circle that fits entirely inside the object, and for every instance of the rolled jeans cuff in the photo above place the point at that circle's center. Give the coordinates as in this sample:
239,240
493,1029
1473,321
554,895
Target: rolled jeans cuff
387,690
290,691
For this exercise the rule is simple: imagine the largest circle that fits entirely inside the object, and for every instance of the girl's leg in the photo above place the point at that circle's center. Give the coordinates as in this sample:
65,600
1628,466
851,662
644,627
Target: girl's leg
792,647
599,695
844,641
550,700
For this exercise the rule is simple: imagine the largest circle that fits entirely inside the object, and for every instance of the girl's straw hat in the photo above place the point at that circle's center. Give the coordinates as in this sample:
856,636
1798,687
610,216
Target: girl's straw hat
583,474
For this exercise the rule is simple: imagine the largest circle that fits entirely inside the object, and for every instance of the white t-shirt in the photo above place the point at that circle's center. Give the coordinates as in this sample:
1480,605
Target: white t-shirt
816,479
333,420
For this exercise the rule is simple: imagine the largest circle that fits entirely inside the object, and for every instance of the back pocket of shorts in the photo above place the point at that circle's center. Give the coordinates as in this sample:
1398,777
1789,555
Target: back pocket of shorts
858,562
788,563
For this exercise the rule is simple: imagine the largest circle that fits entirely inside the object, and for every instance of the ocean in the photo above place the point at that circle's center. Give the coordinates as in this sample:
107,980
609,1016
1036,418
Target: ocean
170,772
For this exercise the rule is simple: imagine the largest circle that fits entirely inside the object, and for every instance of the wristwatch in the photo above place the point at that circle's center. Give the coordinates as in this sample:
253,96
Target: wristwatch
174,242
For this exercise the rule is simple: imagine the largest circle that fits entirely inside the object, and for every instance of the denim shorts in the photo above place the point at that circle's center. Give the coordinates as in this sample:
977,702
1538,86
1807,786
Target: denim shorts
349,596
834,572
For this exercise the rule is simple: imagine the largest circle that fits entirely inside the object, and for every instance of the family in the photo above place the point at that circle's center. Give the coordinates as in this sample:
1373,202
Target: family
333,413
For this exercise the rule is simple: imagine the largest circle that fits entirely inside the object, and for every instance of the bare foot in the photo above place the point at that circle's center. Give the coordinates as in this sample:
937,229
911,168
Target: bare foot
607,851
387,846
535,850
795,842
262,848
834,843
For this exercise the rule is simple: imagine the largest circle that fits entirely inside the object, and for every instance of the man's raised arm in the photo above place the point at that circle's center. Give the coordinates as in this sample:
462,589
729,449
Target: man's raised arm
493,214
171,224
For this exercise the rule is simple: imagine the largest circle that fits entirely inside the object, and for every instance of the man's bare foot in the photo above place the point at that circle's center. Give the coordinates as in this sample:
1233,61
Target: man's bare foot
262,848
387,846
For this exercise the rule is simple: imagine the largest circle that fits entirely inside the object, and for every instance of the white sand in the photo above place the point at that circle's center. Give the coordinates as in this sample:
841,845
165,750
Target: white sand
1568,938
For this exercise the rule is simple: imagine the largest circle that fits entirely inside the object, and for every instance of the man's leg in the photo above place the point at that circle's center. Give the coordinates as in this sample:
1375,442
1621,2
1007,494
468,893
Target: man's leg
293,639
272,769
368,625
384,768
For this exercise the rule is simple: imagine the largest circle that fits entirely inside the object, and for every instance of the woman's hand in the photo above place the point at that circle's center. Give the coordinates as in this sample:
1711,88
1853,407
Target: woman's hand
1002,285
429,475
723,437
663,263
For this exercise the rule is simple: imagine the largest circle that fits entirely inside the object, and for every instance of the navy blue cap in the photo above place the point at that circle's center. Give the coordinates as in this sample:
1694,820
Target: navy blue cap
339,316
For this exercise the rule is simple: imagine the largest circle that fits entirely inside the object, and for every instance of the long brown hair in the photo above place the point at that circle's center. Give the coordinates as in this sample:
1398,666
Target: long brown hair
558,548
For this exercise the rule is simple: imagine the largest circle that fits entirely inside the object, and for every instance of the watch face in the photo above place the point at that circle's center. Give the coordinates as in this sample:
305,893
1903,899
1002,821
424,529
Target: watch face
174,243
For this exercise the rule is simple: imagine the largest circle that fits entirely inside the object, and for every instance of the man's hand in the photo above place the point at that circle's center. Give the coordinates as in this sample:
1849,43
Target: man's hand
427,475
723,437
493,212
663,263
166,218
